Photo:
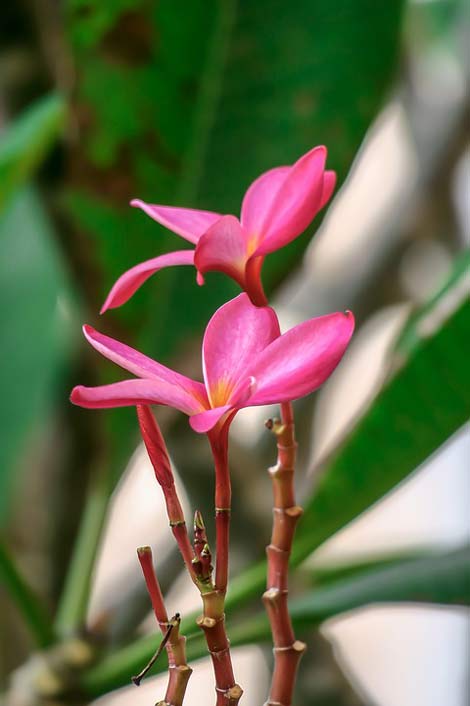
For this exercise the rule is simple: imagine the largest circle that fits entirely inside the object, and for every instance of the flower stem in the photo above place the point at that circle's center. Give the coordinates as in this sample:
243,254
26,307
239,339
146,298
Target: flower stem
253,284
159,458
287,650
179,671
29,605
213,620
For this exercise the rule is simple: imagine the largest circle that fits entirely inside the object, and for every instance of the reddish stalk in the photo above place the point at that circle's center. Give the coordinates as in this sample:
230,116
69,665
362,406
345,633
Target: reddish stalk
158,455
252,285
198,560
287,650
223,505
179,671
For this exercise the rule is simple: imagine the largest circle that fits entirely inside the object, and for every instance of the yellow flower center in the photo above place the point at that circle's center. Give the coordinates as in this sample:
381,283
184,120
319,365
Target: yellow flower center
252,244
219,393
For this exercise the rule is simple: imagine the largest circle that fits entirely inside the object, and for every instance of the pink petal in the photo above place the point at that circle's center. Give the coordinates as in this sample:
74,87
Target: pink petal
236,334
302,359
259,199
135,392
187,222
297,202
205,421
245,389
329,183
223,248
144,367
130,281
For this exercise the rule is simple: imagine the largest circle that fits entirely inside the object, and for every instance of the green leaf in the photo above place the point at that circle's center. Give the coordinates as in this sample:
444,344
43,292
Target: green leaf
442,578
26,141
30,607
34,303
428,317
420,407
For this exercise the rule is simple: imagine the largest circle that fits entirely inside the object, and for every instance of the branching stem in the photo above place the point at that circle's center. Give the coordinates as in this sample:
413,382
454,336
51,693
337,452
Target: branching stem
198,559
175,644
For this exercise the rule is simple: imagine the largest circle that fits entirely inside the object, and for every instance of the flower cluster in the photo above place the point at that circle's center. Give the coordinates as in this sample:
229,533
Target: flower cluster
246,362
245,359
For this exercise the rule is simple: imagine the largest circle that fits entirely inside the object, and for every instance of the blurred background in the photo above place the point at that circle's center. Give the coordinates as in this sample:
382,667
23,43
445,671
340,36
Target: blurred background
186,103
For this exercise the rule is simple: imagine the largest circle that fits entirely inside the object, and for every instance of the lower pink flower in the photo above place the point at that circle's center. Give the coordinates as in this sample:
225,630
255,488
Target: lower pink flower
246,362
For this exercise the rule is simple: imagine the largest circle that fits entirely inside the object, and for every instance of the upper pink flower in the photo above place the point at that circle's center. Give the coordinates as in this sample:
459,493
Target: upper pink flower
246,362
276,209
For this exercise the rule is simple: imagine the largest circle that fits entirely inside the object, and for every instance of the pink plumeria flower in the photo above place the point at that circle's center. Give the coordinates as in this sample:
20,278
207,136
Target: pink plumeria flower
246,362
276,209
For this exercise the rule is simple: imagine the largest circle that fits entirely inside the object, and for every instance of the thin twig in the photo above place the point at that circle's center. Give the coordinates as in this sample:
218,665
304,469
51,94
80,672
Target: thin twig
173,641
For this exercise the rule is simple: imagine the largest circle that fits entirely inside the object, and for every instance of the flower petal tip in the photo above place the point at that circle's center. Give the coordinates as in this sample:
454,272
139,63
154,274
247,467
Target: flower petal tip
89,332
74,396
109,303
320,149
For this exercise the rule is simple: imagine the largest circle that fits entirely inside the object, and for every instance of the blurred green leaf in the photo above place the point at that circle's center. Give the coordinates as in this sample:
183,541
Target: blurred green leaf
428,317
442,578
26,141
329,573
34,325
29,605
423,403
94,19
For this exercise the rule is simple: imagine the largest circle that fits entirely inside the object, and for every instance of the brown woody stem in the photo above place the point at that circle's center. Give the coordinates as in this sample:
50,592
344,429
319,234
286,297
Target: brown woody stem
175,644
212,622
287,650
